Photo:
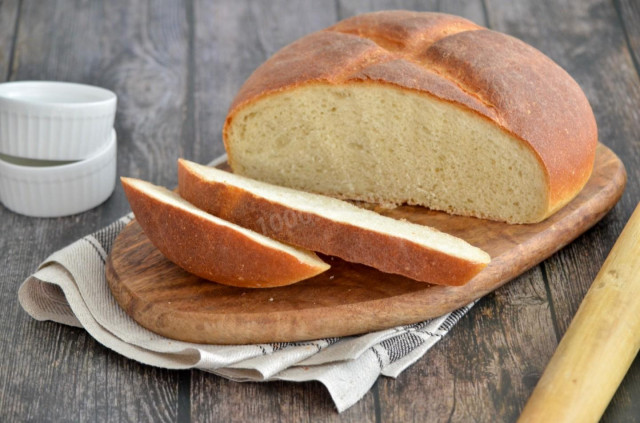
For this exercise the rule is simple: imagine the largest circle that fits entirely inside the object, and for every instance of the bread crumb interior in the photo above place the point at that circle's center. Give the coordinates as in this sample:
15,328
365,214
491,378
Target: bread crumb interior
382,144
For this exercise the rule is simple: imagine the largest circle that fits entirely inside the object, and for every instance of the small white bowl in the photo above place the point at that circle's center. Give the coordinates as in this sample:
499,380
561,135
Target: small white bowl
54,120
59,190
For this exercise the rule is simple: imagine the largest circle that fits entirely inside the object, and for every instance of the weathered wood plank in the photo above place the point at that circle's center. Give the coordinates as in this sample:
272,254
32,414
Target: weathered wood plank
483,369
470,9
348,8
218,400
587,40
624,406
9,11
629,14
50,372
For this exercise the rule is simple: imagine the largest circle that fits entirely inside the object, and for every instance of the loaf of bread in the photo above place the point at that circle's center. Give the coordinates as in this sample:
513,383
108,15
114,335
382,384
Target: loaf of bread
212,248
331,226
420,108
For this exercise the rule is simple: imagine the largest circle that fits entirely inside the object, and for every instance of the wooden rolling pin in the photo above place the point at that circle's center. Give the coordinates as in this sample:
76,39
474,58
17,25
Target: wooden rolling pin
600,344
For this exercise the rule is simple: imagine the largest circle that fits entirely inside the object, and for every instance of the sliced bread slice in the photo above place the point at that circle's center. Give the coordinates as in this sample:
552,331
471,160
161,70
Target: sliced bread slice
331,226
213,248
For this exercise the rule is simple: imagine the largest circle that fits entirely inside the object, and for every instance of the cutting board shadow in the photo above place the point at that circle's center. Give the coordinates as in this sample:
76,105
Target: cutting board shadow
349,298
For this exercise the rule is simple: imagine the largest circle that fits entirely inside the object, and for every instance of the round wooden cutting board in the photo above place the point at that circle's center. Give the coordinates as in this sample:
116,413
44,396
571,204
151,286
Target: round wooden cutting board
349,298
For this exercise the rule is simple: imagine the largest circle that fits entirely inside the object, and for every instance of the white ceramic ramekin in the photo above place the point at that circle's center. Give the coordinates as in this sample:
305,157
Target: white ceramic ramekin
51,191
54,120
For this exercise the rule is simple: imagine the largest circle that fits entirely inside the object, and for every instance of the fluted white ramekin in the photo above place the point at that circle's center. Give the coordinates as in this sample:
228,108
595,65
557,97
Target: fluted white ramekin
50,120
51,191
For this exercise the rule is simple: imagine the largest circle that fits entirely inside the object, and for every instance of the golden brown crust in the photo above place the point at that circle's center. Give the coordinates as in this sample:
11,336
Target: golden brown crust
211,251
317,233
492,74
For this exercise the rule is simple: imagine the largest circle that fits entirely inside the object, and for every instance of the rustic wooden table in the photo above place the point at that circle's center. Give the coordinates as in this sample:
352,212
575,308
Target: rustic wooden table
175,67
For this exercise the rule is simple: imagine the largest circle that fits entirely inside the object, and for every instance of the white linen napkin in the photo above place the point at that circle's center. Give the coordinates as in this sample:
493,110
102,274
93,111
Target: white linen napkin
70,287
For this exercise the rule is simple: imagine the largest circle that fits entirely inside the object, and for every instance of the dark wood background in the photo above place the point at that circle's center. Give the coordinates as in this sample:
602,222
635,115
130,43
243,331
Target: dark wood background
175,66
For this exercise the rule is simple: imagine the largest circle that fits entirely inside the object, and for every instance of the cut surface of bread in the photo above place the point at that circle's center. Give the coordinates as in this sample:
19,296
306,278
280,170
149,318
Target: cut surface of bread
331,226
212,248
363,142
420,108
